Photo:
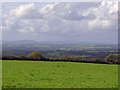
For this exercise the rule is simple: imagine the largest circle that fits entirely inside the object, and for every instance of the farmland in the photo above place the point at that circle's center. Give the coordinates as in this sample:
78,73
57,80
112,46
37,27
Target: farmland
57,50
41,74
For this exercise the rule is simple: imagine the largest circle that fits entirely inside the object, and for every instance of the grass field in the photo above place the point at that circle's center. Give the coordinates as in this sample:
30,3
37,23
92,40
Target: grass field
40,74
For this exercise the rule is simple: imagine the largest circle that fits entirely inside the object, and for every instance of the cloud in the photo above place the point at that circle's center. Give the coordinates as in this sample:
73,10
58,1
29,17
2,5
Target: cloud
106,16
27,11
73,15
63,19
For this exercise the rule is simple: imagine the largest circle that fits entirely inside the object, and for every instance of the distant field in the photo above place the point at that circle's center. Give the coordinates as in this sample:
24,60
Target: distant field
40,74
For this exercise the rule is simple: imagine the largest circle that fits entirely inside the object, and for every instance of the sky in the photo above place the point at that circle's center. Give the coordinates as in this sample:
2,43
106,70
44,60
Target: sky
60,21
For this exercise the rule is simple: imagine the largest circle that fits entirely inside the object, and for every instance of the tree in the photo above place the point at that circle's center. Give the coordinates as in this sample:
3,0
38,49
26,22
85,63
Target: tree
9,57
111,58
23,57
35,55
64,57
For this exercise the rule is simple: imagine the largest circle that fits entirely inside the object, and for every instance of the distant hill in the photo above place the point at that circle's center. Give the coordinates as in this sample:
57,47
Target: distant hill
55,42
19,42
45,42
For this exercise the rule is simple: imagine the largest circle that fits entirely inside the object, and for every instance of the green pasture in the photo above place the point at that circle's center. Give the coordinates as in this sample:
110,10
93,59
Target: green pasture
41,74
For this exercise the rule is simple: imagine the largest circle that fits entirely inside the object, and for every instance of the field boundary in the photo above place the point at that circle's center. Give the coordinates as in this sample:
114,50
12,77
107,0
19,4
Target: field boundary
60,61
60,88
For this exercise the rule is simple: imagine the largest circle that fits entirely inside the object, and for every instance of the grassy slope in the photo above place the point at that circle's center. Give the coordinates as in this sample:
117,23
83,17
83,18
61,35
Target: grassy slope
40,74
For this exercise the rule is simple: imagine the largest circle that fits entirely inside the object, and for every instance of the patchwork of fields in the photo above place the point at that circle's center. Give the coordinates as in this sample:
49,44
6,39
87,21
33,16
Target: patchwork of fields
40,74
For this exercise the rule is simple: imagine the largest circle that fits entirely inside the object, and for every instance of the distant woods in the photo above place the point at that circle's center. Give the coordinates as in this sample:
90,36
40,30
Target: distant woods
37,56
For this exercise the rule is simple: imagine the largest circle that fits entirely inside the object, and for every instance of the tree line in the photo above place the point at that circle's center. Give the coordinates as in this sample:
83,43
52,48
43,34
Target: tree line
37,56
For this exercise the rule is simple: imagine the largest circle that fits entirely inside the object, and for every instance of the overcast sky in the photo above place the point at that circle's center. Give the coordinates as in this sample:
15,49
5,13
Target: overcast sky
89,22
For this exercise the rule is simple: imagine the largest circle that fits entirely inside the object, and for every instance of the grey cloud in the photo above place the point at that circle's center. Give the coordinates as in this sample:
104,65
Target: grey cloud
73,15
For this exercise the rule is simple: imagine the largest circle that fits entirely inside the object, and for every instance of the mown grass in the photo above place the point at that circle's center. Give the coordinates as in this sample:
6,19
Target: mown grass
40,74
